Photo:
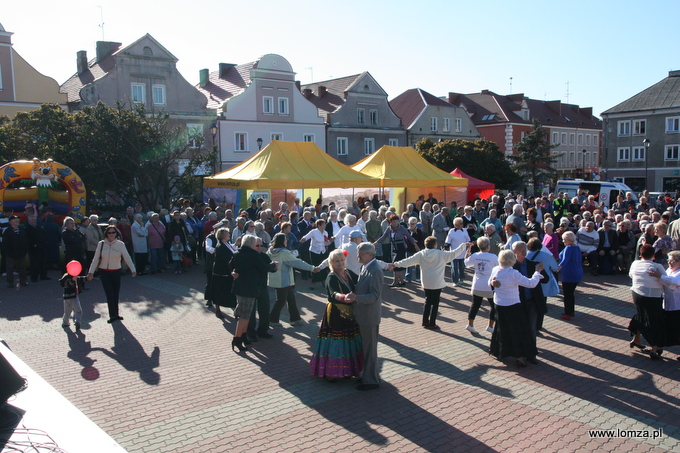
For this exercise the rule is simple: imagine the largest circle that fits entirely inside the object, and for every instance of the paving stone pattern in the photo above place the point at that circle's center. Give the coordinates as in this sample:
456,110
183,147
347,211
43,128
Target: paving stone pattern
169,382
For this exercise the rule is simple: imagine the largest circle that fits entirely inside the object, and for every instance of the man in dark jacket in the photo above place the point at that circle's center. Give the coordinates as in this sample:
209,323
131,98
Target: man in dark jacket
248,268
607,249
15,248
37,249
256,330
533,300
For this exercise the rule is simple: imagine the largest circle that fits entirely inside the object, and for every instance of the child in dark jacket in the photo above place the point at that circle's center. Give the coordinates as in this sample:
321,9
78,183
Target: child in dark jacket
72,287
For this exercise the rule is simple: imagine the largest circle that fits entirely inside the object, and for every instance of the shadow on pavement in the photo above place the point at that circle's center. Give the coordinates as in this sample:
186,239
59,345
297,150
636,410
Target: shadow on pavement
607,389
130,354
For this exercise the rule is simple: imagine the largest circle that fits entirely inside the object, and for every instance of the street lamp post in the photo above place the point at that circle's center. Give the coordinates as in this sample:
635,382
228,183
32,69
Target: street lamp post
647,143
583,171
259,144
213,132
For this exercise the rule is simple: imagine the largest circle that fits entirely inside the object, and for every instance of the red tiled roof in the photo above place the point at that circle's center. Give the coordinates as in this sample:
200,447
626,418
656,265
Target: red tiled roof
503,108
409,105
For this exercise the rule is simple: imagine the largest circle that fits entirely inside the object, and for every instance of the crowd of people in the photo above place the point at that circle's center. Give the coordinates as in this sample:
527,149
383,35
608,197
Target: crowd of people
517,248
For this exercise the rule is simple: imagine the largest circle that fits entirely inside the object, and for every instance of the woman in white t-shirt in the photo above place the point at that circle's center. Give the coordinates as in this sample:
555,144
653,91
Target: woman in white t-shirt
482,262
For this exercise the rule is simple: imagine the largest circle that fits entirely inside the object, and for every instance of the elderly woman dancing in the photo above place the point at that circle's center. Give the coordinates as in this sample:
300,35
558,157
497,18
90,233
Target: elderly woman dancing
338,351
512,335
647,297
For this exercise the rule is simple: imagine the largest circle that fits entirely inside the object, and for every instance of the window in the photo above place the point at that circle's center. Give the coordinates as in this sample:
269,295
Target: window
283,106
572,157
672,152
194,135
393,142
459,125
488,117
342,146
595,161
564,138
639,127
587,139
433,124
638,153
673,124
308,138
138,93
446,126
373,117
369,146
623,154
241,142
361,116
268,104
595,139
556,137
277,136
572,137
624,128
158,92
580,139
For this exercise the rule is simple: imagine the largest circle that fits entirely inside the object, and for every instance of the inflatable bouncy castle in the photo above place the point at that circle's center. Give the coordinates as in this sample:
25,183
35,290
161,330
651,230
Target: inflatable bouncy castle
42,181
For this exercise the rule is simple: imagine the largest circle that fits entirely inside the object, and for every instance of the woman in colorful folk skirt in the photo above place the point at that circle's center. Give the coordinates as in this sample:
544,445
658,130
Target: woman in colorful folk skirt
338,350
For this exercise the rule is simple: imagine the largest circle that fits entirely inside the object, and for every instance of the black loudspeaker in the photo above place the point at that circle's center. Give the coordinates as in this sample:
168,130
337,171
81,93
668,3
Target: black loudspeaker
10,381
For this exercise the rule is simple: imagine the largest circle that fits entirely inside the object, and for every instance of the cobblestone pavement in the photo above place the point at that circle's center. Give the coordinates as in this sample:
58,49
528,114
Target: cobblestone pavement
168,381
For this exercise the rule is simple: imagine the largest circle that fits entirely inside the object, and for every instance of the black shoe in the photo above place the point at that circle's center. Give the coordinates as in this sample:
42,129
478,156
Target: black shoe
265,335
237,342
368,387
117,318
532,361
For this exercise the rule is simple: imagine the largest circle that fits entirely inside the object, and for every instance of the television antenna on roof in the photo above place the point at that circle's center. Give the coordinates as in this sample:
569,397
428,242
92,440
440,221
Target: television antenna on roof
101,25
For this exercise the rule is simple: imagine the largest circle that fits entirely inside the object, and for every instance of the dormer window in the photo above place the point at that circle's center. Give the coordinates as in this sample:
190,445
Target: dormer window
147,51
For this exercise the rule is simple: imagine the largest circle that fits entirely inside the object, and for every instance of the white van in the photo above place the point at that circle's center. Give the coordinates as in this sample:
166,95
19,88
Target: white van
604,191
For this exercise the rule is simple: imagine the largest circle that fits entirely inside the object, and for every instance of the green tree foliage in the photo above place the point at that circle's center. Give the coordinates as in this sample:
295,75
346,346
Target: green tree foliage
533,157
480,159
128,153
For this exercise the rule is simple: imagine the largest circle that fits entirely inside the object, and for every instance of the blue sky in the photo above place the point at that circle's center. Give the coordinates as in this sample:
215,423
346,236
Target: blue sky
599,52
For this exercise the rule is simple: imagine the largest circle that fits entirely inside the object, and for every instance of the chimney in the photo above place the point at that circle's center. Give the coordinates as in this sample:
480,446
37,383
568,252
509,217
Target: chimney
105,48
307,93
81,61
224,67
203,77
322,91
587,111
298,85
673,73
485,91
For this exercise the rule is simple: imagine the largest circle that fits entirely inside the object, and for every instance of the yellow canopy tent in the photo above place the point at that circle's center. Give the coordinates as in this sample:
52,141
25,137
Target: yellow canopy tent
401,167
286,165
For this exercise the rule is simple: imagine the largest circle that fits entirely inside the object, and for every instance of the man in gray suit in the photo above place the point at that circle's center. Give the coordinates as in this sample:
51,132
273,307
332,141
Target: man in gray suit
441,227
367,304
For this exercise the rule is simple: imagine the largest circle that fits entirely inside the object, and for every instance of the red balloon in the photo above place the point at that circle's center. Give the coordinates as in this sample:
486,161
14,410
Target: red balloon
345,252
74,268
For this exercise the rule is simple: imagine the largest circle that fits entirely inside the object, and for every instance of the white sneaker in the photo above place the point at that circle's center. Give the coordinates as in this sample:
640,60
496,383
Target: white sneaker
489,329
471,329
453,285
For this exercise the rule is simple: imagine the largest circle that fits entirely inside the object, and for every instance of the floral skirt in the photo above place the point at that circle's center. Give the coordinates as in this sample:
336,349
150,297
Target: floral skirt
338,351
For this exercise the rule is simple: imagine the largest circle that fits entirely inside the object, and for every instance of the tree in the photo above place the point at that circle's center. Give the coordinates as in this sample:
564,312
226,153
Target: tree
126,152
480,159
533,157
